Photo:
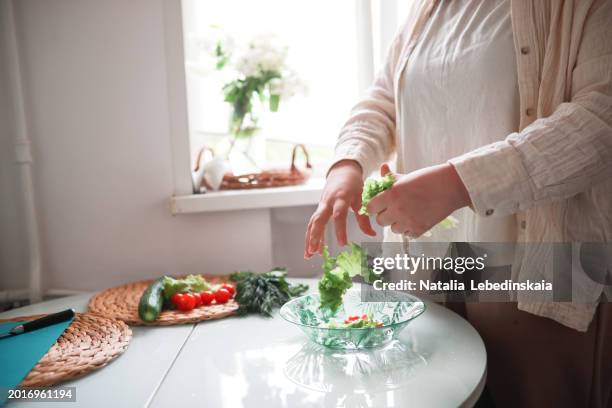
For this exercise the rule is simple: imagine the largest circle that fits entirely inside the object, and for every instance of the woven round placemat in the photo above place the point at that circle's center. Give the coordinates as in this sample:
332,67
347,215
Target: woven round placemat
90,342
121,302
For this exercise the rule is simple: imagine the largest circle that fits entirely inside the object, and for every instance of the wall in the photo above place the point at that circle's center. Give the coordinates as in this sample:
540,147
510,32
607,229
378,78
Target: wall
13,251
96,87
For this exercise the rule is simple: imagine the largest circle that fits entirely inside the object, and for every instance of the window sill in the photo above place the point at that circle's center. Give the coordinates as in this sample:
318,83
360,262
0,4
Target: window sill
307,194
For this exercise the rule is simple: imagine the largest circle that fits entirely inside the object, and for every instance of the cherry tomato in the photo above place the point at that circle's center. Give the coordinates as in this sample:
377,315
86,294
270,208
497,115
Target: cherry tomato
222,295
186,302
364,317
176,299
207,297
198,299
229,288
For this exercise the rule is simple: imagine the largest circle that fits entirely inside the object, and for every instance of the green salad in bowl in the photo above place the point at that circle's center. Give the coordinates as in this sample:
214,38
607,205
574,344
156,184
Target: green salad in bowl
356,324
337,317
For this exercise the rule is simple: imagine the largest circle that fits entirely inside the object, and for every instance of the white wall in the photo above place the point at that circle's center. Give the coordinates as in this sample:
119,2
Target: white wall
96,87
13,251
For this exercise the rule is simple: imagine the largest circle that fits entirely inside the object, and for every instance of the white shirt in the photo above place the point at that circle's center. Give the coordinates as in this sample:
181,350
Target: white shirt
445,113
553,173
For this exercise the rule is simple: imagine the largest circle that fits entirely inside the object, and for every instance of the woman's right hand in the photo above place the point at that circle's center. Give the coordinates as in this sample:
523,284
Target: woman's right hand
342,191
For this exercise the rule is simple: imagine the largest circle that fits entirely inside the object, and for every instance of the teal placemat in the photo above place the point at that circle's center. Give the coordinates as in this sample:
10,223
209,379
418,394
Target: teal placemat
19,354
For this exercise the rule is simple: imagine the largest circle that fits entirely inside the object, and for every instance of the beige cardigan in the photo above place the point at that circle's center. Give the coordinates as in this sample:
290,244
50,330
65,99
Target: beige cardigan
555,173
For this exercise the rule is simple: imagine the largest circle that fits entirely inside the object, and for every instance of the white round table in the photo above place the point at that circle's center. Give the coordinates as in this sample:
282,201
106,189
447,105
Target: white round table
439,360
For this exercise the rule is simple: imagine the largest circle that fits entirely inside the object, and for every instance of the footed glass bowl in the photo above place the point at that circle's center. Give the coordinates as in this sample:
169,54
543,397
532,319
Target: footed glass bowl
318,324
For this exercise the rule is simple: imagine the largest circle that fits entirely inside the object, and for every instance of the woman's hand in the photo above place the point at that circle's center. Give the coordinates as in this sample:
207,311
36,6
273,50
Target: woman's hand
342,191
419,200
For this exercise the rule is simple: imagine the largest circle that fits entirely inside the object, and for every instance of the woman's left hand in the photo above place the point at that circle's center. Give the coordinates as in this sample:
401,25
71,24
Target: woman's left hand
419,200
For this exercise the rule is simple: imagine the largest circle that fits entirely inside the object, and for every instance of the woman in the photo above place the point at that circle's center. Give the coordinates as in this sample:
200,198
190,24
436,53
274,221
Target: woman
499,112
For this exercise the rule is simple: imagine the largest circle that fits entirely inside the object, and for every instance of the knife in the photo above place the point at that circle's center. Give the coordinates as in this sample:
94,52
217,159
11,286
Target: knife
44,321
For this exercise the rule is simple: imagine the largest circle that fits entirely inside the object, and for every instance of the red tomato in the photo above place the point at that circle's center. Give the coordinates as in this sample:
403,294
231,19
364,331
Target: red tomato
222,295
198,299
229,288
364,317
353,318
176,299
186,302
207,297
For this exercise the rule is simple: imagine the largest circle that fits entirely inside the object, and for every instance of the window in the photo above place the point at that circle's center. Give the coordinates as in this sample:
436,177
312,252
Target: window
332,45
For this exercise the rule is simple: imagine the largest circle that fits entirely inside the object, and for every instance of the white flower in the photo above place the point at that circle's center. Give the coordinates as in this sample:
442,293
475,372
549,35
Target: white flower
261,54
247,66
272,60
287,86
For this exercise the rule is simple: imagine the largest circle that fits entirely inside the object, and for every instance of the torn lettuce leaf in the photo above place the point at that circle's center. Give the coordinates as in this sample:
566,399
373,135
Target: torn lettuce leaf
372,188
332,287
338,273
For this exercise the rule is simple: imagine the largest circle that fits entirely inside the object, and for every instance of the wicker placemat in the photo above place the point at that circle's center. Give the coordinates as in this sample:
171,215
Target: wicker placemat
90,342
121,302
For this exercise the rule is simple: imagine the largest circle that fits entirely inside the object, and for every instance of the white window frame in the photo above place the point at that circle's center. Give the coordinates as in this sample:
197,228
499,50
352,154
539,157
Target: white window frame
177,97
184,200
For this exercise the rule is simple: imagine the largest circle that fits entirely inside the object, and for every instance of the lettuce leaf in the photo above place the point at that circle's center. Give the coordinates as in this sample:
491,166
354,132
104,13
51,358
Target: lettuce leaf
355,263
332,287
191,284
372,188
338,273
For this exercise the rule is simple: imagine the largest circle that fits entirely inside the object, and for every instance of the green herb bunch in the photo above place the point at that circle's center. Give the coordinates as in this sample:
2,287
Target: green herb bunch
263,292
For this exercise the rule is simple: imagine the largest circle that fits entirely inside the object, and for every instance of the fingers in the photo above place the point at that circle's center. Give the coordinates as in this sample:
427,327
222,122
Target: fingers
384,169
307,241
379,203
385,218
316,230
339,215
322,243
363,220
398,228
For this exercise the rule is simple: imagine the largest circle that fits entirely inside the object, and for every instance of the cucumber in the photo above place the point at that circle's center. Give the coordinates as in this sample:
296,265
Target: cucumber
151,301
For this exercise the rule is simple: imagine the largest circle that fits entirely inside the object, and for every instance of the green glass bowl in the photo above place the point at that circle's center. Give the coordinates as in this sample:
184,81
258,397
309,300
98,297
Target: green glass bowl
395,315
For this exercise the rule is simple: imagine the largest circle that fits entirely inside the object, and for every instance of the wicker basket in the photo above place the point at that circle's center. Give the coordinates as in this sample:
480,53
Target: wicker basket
272,177
265,178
